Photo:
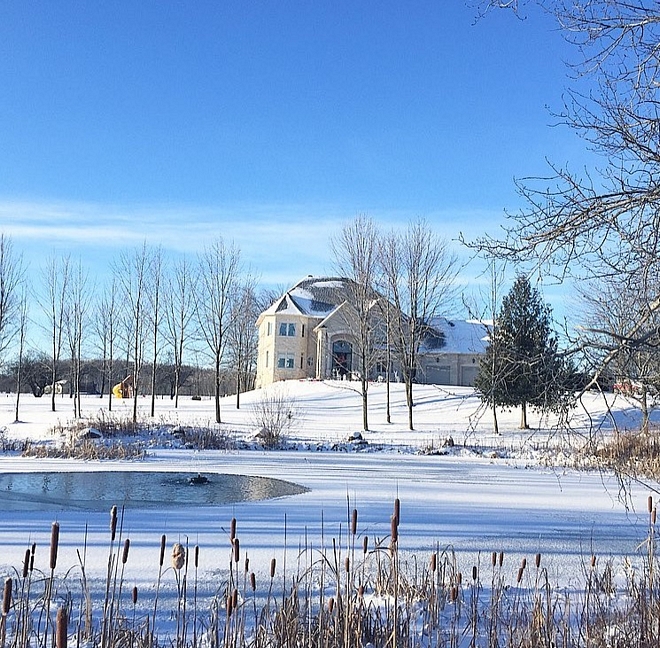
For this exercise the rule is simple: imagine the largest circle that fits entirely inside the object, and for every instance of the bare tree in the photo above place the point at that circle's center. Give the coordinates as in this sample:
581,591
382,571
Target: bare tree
420,272
242,335
155,316
106,324
355,250
612,308
601,223
179,315
12,275
219,271
484,307
132,274
75,319
56,278
23,321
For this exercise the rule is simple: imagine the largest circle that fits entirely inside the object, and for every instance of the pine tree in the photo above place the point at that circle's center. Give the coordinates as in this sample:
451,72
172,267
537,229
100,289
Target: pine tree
522,366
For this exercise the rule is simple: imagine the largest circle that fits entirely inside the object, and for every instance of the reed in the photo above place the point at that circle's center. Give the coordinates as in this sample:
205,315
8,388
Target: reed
348,593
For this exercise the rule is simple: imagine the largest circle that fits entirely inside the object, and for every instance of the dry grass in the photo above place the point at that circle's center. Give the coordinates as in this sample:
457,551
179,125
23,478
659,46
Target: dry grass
356,591
632,452
107,436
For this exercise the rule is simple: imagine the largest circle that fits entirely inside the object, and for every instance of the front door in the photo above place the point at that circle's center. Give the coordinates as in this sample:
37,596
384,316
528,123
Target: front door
342,358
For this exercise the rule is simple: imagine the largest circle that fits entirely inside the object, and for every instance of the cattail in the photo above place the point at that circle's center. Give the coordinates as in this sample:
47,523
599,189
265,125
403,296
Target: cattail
230,605
26,563
521,571
6,597
394,529
237,550
253,581
538,560
397,510
593,561
32,553
501,558
124,554
523,564
653,515
361,591
247,565
459,578
232,530
196,556
354,519
234,599
135,595
113,523
434,561
54,542
61,629
493,559
650,503
347,564
273,562
474,572
163,540
453,593
331,605
178,556
365,545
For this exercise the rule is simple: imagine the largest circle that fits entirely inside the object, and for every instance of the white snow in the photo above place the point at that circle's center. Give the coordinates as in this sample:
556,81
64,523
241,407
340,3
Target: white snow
487,494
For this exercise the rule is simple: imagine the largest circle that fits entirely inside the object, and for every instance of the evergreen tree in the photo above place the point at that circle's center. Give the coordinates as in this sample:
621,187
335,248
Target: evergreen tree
522,365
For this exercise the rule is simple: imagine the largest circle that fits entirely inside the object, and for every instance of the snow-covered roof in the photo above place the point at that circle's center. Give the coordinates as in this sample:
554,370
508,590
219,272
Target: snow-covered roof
460,336
313,297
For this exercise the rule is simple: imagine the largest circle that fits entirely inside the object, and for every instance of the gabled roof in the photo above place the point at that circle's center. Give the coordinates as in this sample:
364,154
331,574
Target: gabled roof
313,296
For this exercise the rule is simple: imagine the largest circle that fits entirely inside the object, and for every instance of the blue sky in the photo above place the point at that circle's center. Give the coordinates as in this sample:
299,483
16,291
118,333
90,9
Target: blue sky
269,123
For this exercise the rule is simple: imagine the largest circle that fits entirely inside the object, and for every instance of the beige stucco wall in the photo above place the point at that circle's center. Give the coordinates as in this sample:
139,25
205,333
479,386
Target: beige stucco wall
298,348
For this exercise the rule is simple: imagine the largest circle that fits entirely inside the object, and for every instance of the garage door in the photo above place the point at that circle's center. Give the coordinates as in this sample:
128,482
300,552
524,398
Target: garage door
437,374
468,374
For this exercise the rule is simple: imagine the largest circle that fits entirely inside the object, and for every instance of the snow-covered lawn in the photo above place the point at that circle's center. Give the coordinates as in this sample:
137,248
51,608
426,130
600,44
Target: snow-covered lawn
487,496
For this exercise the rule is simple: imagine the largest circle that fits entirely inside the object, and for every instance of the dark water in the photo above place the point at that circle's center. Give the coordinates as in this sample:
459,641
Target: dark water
97,491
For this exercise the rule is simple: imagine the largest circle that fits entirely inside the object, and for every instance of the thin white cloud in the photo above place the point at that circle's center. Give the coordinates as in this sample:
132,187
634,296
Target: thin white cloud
282,242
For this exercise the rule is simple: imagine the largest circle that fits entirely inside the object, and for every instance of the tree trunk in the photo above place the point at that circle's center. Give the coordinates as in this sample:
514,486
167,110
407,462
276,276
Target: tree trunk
523,417
409,401
365,409
217,389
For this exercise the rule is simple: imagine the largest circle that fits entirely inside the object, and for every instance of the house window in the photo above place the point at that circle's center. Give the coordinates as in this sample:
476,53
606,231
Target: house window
270,328
287,329
302,359
303,329
286,361
267,358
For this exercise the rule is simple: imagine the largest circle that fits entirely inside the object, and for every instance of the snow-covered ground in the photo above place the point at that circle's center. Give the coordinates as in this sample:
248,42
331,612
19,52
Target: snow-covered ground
486,494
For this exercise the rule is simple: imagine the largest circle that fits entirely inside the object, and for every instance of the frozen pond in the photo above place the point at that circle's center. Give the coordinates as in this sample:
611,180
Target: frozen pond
98,491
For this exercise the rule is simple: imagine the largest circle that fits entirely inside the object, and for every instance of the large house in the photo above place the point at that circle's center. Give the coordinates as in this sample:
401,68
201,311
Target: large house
307,333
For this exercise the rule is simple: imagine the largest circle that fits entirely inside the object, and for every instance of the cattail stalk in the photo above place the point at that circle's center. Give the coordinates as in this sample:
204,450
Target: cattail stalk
61,629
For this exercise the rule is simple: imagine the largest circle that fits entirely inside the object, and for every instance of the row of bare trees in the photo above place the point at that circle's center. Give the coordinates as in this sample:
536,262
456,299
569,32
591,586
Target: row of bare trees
402,280
150,311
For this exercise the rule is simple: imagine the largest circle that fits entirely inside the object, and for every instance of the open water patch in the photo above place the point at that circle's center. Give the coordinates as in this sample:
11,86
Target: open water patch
97,491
